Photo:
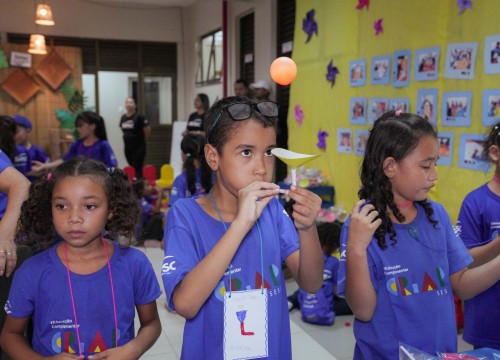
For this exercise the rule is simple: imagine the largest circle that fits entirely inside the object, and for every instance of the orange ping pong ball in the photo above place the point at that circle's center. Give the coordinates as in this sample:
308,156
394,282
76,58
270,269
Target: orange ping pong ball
283,70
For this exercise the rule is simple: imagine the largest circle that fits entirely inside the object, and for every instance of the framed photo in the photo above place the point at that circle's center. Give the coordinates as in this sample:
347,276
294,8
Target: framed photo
360,139
344,141
20,59
402,104
426,64
381,70
401,68
491,107
427,104
378,107
445,140
492,54
470,152
357,72
456,108
357,111
460,60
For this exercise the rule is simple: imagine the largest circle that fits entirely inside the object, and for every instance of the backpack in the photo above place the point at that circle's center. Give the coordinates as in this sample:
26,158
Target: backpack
315,308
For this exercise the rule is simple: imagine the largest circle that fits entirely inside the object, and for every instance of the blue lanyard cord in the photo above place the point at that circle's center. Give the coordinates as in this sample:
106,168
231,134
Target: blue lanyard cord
230,267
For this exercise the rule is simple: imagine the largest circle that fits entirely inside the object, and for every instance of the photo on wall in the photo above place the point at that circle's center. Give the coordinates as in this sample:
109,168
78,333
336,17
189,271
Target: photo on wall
402,104
491,107
456,108
360,139
492,54
401,68
460,60
357,72
427,104
344,145
470,152
381,70
445,141
357,111
378,106
426,64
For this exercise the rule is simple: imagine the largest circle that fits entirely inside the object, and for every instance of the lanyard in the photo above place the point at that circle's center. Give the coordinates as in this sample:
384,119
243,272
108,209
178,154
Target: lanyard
73,298
230,268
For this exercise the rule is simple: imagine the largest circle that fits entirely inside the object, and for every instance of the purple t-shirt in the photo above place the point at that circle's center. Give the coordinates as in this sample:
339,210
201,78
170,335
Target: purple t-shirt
36,153
100,150
22,160
40,289
180,187
190,234
479,223
412,281
4,162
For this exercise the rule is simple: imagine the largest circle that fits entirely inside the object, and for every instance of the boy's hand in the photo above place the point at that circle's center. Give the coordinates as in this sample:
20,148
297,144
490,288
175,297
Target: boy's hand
253,199
364,223
306,208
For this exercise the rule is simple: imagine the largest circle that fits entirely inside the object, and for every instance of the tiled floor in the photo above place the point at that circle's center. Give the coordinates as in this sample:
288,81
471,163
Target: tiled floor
308,341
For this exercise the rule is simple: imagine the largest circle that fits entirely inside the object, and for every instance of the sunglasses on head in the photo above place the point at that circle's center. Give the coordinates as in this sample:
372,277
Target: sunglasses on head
242,111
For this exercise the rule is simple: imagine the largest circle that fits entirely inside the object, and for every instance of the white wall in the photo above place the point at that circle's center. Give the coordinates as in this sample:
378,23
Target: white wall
90,20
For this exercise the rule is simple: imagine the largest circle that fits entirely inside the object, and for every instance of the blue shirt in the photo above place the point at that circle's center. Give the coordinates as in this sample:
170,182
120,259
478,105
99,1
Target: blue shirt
4,162
22,160
36,153
479,224
412,281
180,187
100,150
190,234
40,289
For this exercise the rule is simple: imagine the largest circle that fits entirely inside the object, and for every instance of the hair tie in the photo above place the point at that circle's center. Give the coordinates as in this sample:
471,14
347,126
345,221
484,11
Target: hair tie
111,170
398,112
49,176
188,154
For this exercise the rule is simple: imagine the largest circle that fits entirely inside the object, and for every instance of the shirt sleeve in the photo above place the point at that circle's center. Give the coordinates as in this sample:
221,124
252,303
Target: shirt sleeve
109,155
178,190
72,151
21,300
468,226
146,286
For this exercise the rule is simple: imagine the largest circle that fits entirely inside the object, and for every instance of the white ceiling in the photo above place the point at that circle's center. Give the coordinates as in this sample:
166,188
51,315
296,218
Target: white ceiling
153,4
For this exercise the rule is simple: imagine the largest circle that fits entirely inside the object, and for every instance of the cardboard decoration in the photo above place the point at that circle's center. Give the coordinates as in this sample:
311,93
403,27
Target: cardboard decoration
20,86
54,70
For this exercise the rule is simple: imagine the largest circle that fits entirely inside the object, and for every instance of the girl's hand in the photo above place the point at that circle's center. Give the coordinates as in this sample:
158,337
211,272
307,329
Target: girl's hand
37,166
364,223
306,208
253,199
66,356
118,353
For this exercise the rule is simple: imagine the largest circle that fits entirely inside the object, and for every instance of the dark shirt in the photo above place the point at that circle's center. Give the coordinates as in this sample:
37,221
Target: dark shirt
133,129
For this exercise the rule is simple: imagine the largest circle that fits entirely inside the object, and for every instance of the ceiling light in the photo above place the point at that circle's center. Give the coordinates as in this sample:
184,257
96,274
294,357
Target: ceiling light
44,15
37,44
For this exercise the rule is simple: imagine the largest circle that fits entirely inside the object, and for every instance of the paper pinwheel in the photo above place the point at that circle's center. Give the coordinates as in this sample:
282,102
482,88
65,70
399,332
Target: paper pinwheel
322,140
332,72
299,114
464,4
309,25
292,159
377,25
362,4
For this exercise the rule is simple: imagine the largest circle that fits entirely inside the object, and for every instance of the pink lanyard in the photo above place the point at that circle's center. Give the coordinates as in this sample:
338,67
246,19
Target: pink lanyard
73,298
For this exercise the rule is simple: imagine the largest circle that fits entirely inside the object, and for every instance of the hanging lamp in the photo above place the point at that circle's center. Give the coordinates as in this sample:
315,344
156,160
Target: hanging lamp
37,44
44,15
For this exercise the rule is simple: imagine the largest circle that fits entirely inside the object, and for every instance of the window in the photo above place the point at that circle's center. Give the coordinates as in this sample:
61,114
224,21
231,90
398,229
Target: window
210,59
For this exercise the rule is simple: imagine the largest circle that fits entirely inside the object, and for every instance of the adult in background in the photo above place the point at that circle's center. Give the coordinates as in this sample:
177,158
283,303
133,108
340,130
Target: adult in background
136,130
261,90
196,119
241,88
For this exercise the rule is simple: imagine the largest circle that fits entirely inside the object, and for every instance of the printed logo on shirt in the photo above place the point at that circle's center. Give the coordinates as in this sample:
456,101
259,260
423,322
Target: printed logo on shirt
458,229
411,284
129,124
8,307
272,284
67,342
168,265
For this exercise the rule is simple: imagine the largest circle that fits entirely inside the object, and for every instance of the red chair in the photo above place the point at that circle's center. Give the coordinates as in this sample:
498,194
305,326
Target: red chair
130,171
149,173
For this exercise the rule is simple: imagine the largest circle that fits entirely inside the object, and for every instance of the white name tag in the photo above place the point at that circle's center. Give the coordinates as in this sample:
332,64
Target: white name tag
245,324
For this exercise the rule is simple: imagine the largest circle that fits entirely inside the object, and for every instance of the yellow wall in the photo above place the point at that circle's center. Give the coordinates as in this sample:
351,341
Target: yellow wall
346,34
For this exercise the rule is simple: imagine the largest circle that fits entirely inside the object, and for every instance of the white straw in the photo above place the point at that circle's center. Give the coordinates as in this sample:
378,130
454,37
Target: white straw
294,176
407,353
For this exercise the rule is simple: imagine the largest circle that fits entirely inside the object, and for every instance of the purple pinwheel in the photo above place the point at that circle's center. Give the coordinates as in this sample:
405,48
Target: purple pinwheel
309,25
299,114
322,140
332,72
362,4
464,4
377,25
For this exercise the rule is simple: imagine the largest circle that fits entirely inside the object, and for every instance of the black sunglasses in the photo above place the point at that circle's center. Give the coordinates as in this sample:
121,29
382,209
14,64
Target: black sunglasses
242,111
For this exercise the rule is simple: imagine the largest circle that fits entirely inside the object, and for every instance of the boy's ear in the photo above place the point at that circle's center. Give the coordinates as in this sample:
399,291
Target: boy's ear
389,167
494,153
212,157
